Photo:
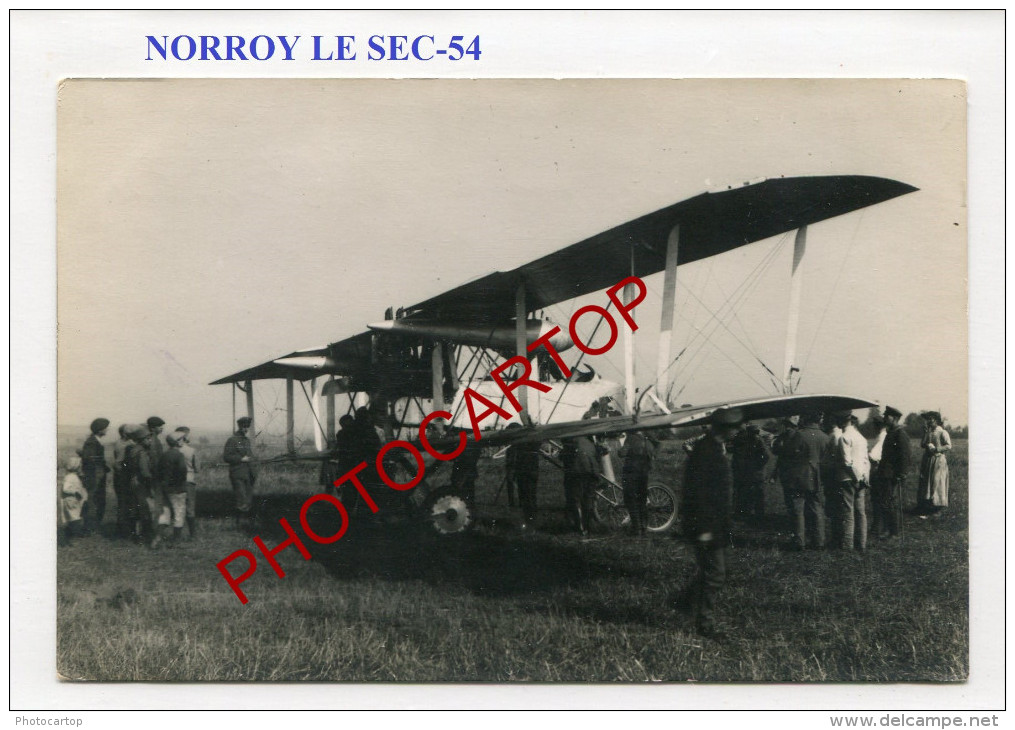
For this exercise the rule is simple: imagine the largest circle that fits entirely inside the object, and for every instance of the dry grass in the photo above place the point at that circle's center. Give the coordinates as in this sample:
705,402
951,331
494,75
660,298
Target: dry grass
389,604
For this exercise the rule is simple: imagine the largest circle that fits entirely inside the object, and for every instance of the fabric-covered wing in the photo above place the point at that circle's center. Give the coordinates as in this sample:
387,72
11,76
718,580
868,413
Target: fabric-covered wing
754,409
349,358
710,224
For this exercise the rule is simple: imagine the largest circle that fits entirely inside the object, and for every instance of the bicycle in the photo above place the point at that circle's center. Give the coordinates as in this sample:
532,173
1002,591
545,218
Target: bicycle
609,506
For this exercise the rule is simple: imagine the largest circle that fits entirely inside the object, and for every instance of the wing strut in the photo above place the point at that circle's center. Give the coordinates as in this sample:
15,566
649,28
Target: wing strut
628,340
437,367
249,390
666,323
290,425
795,283
521,346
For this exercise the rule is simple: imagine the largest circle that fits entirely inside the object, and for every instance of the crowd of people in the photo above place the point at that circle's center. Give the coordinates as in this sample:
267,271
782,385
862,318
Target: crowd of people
826,468
154,480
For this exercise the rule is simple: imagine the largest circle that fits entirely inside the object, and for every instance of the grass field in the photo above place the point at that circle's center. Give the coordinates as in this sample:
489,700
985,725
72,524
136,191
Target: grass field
387,603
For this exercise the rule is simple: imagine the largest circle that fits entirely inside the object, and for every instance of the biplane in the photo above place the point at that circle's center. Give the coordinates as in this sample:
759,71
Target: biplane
423,358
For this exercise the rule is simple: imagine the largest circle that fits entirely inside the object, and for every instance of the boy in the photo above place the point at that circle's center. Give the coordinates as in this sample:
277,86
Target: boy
182,434
173,474
73,496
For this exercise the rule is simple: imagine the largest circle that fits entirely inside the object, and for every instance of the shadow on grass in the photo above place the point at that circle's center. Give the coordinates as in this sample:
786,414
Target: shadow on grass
392,546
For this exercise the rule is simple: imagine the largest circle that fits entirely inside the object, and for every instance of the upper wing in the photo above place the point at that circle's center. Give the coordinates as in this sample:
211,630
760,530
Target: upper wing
754,409
710,224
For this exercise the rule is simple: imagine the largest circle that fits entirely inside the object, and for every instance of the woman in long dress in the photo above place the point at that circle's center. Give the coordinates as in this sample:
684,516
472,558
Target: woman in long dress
936,443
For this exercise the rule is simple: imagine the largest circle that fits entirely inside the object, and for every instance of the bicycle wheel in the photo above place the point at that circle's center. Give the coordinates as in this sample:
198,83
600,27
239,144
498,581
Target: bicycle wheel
609,507
662,508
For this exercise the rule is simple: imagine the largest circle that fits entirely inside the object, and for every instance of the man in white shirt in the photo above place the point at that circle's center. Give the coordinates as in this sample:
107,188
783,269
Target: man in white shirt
854,478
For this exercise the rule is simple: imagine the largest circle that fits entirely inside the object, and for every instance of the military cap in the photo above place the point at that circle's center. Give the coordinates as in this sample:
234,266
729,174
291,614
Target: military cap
894,412
99,424
182,429
155,422
727,417
138,432
244,421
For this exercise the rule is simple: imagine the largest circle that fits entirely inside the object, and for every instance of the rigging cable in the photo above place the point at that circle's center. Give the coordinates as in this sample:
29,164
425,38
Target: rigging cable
828,301
732,301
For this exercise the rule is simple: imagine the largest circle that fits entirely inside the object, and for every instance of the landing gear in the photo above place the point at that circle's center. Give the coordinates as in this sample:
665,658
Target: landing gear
445,512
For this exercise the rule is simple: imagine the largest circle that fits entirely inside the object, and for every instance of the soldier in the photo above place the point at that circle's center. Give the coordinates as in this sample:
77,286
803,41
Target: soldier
93,474
144,486
750,455
465,472
522,468
638,452
893,470
239,455
126,507
344,456
160,510
788,429
155,446
707,508
804,451
182,435
581,472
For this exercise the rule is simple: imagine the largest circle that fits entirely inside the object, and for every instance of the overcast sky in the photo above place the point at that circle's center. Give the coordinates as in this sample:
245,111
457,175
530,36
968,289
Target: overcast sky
205,226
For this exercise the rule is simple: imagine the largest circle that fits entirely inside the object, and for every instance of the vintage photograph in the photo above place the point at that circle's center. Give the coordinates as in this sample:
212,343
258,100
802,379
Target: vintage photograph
512,380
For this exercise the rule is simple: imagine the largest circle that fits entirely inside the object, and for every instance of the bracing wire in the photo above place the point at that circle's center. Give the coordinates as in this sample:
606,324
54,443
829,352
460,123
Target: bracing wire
828,300
732,301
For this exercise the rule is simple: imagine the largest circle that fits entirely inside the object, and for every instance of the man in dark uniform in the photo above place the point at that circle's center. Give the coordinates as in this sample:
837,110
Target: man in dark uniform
239,454
638,452
126,507
368,442
465,472
581,473
750,455
803,452
522,469
893,469
93,474
782,462
143,484
707,508
156,447
344,456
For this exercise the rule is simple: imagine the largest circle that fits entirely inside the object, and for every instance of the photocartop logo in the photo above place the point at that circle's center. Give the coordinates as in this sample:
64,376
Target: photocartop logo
471,398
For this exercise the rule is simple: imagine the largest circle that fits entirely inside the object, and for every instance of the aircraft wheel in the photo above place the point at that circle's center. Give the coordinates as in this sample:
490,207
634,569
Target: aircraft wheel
448,513
662,508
